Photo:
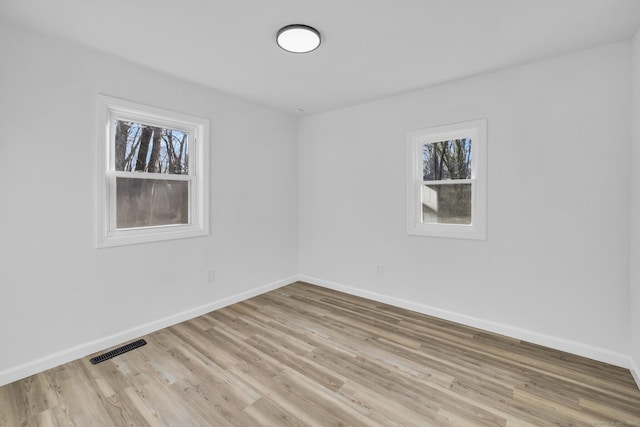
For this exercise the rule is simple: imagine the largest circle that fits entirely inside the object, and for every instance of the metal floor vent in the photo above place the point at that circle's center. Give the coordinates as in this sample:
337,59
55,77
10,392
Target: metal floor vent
118,351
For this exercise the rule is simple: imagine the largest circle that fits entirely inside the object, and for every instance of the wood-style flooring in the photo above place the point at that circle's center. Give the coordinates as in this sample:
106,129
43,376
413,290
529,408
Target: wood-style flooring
303,355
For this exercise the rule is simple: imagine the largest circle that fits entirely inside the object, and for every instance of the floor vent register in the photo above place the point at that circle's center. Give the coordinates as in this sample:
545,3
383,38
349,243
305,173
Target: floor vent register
118,351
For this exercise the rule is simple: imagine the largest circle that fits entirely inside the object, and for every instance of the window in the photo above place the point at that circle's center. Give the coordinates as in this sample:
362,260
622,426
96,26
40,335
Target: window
153,182
446,181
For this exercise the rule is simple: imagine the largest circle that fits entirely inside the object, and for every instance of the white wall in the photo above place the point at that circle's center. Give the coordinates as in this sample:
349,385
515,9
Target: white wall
58,293
635,210
554,272
554,268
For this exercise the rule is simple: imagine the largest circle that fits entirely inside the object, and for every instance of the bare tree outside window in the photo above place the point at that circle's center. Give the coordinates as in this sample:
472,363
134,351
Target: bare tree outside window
447,160
444,200
149,200
143,148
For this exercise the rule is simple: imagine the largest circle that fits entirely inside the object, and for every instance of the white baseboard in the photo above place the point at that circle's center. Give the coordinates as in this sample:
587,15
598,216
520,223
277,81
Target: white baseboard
580,349
635,371
47,362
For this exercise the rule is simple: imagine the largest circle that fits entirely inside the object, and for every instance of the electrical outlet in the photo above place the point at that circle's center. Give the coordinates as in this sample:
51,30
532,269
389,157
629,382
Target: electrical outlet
211,275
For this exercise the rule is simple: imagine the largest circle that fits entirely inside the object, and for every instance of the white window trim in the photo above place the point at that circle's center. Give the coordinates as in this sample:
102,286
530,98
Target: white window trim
109,109
477,131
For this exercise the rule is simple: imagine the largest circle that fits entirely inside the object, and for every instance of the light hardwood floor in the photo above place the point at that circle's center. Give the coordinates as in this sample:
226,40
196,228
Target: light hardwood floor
304,355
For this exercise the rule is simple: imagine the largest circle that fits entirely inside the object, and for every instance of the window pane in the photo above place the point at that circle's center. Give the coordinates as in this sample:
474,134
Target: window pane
144,148
447,160
446,204
151,202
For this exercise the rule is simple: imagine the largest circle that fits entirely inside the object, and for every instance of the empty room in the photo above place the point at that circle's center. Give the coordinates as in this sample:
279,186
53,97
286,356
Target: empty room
336,213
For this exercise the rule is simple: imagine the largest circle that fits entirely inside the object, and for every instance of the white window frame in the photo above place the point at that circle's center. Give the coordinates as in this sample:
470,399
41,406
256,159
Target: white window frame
111,109
477,131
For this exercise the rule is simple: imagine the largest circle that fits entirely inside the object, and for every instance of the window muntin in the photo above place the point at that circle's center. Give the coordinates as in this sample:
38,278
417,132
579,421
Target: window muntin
153,175
446,184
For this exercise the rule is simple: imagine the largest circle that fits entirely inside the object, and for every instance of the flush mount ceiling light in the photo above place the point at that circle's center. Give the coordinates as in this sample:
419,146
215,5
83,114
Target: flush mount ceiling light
298,38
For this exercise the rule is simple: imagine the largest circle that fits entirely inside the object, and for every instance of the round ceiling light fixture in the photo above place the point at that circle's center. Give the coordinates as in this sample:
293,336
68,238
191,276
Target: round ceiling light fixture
298,38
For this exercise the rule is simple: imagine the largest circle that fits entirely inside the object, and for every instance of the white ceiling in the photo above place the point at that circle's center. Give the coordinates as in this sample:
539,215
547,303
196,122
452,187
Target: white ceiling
371,48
